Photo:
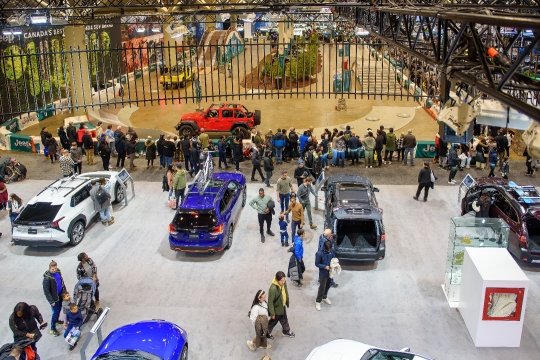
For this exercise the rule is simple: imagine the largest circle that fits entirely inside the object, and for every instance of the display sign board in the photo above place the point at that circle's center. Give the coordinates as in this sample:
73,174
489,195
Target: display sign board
12,125
21,143
467,182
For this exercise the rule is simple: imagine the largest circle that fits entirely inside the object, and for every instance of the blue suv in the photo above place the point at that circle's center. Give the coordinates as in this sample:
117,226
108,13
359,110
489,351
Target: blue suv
205,223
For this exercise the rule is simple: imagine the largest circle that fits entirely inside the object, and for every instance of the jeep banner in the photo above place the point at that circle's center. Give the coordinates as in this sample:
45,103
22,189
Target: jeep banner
21,143
425,149
12,125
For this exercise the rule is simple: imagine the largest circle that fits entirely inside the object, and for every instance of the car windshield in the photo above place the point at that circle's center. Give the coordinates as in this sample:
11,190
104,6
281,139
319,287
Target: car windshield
38,212
354,195
377,354
128,355
195,219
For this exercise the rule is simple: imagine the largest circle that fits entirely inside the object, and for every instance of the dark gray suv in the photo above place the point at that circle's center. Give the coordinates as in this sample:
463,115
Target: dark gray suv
355,218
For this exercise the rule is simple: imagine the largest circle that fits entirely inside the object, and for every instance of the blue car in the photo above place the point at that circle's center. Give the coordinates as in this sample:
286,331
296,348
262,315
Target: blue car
205,223
148,340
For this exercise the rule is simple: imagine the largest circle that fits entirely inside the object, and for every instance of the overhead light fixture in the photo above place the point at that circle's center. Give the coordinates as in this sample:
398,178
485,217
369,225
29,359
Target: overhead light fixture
16,32
156,29
58,21
38,18
224,17
7,32
248,17
17,20
140,29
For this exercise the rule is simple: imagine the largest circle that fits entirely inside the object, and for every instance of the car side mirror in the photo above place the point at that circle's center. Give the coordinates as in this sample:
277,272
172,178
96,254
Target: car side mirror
375,189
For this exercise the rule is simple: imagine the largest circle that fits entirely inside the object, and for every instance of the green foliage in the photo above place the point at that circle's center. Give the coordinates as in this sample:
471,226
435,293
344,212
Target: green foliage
304,63
272,70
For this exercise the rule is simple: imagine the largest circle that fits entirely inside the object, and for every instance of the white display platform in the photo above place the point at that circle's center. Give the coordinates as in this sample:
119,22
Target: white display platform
490,268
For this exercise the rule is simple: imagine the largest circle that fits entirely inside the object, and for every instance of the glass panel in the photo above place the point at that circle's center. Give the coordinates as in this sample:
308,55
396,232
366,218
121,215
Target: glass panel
39,212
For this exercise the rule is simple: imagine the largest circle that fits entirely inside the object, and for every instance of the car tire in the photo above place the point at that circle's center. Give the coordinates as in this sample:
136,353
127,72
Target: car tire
244,197
76,233
184,354
229,237
119,193
183,84
245,132
185,130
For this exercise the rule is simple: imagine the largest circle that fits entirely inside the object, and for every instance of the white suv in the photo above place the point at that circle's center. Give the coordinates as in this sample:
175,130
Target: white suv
61,212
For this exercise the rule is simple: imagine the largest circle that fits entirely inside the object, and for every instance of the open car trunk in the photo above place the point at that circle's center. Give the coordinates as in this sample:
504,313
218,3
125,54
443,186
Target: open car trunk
533,228
354,235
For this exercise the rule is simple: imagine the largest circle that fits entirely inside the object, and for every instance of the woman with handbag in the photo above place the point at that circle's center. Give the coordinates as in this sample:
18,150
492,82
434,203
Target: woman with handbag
22,323
259,318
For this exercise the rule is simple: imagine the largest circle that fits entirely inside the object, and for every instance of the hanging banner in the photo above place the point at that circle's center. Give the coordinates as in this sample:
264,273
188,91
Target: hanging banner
4,139
102,62
12,125
26,120
21,143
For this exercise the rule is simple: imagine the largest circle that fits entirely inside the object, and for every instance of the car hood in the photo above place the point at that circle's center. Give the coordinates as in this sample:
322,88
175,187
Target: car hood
160,338
191,116
491,180
340,349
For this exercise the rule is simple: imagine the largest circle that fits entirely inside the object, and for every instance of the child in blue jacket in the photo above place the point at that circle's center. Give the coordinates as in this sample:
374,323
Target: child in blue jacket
74,319
283,231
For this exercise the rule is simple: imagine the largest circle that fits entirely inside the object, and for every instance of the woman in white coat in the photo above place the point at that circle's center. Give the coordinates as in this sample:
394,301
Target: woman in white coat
259,318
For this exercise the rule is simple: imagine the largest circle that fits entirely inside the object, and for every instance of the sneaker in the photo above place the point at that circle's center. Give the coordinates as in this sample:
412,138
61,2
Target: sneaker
250,345
288,221
335,285
104,222
415,197
425,199
269,336
59,322
389,163
111,222
282,244
265,347
262,238
54,333
371,167
253,180
269,232
286,243
290,334
367,167
454,181
451,183
318,306
327,301
298,283
313,226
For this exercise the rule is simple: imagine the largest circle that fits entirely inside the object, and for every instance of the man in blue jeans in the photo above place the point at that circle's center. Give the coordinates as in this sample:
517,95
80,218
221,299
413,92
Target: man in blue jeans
53,287
279,143
297,215
409,143
284,188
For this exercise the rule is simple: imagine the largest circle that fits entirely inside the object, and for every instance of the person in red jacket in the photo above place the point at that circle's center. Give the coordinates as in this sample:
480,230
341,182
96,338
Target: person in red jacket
80,133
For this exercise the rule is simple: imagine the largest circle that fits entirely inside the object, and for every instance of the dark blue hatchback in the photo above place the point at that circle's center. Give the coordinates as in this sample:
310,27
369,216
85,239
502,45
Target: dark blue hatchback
205,223
149,340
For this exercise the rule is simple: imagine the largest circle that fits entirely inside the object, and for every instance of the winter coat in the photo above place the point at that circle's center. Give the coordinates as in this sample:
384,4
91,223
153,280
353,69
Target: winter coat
309,160
63,138
293,138
409,141
195,154
168,148
255,158
43,135
52,145
222,147
131,147
340,144
185,145
390,141
298,248
49,286
75,320
369,143
279,141
81,272
379,142
453,159
493,157
97,205
180,179
150,149
3,193
275,300
120,146
354,143
104,149
76,154
442,150
303,141
268,164
424,176
88,142
21,326
322,260
80,134
71,134
237,150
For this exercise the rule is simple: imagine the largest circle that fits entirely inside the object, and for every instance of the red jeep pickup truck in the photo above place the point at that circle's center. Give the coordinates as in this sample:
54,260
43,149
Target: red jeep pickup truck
220,118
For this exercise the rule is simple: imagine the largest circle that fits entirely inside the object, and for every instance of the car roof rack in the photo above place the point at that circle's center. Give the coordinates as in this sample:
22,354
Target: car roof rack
529,199
63,180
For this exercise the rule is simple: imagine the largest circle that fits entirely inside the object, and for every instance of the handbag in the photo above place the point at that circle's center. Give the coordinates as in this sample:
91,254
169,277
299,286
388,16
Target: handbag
46,151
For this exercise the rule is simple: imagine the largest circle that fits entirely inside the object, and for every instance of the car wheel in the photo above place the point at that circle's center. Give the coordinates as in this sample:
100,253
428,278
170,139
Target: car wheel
185,130
245,132
184,354
229,237
244,197
183,84
77,233
119,193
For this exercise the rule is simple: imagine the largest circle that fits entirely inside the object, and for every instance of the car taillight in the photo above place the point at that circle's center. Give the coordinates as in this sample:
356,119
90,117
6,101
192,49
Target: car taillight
383,237
217,230
172,229
523,239
55,224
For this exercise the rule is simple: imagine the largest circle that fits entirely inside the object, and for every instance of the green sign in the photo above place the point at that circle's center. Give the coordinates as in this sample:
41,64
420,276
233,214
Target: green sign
138,74
47,112
425,149
20,143
152,67
12,125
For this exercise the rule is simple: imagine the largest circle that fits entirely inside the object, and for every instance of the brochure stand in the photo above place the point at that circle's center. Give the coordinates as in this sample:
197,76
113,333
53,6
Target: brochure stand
96,329
493,297
466,184
123,179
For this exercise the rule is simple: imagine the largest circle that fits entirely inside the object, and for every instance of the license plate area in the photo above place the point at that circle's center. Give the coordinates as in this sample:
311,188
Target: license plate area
32,231
194,236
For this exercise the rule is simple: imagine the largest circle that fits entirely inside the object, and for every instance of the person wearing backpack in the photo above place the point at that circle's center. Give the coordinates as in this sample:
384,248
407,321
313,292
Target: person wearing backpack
279,143
293,144
102,200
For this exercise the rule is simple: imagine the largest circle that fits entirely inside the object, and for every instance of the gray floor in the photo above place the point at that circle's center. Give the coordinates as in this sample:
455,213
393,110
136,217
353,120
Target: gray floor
394,303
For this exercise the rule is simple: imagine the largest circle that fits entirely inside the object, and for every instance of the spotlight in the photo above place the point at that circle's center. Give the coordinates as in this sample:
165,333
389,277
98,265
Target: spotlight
7,32
16,32
38,18
156,29
140,29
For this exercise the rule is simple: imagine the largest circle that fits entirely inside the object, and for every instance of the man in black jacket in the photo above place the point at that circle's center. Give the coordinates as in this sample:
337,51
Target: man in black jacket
88,144
502,144
168,151
185,145
71,132
53,287
268,167
256,162
300,173
293,144
195,155
424,181
159,145
453,162
131,149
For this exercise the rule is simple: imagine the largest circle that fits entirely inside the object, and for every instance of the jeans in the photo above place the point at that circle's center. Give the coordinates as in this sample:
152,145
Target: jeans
466,162
426,190
168,161
400,154
179,193
170,194
268,176
294,225
334,156
453,171
388,155
340,155
262,219
105,214
256,168
77,165
279,154
324,286
222,159
491,169
324,160
187,162
379,156
307,208
355,155
56,309
121,160
284,201
162,161
111,145
368,154
284,236
411,152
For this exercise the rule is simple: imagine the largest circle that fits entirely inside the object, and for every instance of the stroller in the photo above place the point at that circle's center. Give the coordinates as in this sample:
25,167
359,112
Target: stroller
83,296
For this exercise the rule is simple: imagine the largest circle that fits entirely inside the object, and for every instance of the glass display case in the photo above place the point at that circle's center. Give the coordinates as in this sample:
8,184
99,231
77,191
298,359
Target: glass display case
469,232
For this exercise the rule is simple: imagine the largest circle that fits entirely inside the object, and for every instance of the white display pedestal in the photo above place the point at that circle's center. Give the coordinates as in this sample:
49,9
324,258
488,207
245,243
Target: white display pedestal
492,271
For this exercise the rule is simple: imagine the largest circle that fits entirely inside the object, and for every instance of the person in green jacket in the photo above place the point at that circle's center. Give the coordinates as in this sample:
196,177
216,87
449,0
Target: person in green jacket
278,299
369,145
179,183
390,146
